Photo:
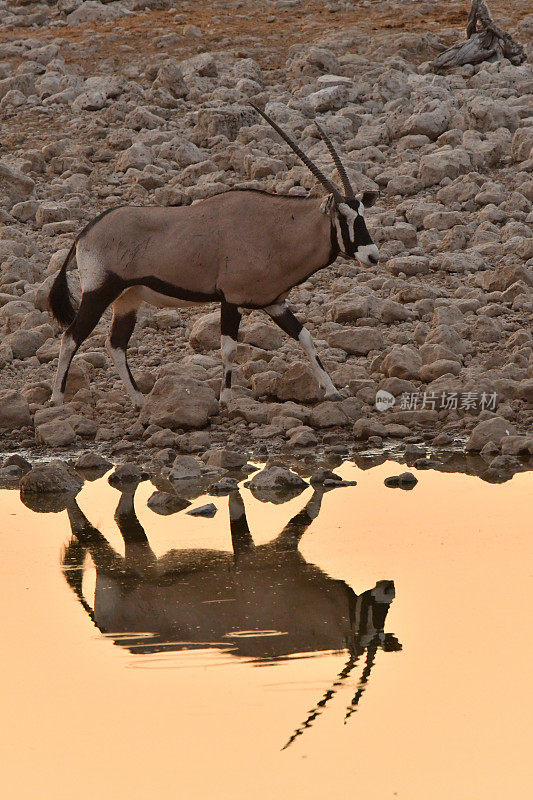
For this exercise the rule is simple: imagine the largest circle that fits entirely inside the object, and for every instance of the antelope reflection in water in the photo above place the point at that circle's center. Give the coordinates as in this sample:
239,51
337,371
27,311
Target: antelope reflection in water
261,602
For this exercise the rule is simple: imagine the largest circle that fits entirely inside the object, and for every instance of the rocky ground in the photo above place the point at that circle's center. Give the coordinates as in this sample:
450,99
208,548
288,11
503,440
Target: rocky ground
145,102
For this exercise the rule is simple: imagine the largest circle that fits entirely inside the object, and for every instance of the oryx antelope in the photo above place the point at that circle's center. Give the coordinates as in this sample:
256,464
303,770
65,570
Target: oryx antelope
244,248
201,598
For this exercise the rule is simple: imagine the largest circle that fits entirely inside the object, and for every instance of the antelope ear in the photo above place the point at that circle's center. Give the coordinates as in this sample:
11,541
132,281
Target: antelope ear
369,198
327,205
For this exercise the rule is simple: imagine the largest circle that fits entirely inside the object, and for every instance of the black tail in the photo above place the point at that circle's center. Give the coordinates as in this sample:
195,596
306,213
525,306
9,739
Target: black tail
60,299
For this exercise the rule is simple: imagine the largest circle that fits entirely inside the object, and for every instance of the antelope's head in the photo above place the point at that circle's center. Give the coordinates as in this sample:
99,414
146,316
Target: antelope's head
347,212
348,217
370,611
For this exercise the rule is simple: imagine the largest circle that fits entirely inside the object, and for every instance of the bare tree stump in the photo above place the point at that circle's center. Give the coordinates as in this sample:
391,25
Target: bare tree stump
488,42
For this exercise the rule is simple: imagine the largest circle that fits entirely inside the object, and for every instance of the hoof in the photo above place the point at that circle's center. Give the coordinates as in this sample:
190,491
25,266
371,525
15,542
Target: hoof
56,401
335,396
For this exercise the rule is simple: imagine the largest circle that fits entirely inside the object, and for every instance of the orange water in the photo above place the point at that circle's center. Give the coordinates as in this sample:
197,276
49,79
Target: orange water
448,716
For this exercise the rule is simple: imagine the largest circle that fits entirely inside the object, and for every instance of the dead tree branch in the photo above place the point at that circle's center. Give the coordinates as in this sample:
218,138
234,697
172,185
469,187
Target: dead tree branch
485,41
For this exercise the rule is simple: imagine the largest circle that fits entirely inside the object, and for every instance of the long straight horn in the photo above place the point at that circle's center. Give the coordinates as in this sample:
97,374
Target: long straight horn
337,161
301,155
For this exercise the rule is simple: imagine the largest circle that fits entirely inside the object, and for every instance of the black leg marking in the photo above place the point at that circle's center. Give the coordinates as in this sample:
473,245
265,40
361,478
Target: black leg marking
290,536
92,306
121,330
120,335
288,323
230,319
241,538
65,376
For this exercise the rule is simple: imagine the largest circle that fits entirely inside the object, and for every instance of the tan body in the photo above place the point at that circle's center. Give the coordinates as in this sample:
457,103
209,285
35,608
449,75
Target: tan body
212,600
247,247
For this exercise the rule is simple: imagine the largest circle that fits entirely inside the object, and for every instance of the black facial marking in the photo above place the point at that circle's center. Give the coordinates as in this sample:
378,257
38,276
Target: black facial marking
361,234
349,246
335,249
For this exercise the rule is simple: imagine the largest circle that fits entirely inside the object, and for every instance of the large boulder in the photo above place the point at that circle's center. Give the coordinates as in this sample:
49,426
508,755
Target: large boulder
402,362
518,445
364,428
522,144
485,114
137,156
170,77
93,11
443,163
409,265
52,477
276,477
275,484
186,468
298,383
205,333
327,415
202,65
350,309
166,503
224,121
179,402
329,99
92,461
428,123
14,410
490,430
225,458
524,390
264,335
24,344
437,368
358,341
14,183
57,433
49,488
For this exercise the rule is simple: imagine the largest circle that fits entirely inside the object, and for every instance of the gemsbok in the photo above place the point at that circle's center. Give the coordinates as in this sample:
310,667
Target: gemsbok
245,249
200,598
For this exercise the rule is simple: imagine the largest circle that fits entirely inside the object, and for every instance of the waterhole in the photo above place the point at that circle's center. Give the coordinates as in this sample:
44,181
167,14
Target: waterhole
363,640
